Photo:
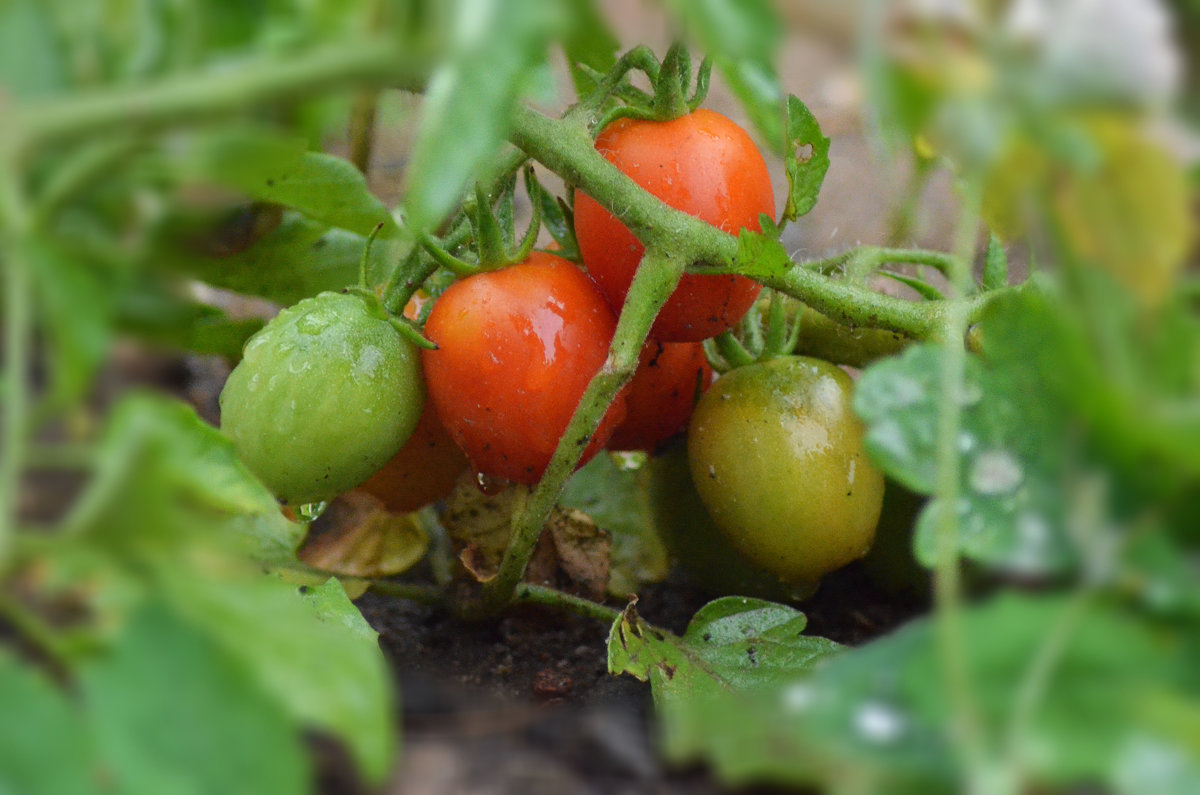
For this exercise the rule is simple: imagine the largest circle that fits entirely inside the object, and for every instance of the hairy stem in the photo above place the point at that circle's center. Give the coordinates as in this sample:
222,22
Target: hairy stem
655,280
966,728
209,95
564,146
541,595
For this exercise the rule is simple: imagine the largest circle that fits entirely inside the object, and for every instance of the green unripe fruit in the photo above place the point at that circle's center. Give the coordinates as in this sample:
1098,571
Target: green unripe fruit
777,457
325,394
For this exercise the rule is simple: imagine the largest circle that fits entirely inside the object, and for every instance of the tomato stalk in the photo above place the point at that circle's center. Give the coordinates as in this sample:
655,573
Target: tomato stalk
564,146
18,337
656,278
965,724
212,95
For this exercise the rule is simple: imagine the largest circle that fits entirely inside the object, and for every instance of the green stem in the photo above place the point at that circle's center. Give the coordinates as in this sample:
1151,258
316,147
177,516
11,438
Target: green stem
565,147
30,626
210,95
655,280
413,592
18,340
966,728
1034,683
541,595
362,129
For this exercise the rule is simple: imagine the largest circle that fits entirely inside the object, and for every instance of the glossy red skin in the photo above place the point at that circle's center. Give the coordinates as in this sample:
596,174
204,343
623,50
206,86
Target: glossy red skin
517,347
704,165
662,394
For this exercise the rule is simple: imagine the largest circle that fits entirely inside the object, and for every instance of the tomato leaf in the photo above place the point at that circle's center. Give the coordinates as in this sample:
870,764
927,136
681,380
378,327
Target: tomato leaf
75,297
32,60
589,41
877,718
995,266
44,749
734,649
298,259
805,176
313,654
616,499
877,714
1011,511
496,47
325,188
761,255
173,713
177,512
150,311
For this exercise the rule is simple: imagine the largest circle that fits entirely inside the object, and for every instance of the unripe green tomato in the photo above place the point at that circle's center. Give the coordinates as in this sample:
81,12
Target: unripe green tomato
777,457
325,394
695,543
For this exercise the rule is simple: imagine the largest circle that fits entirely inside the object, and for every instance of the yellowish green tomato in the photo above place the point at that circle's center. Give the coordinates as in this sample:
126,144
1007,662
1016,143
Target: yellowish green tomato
325,394
695,543
776,454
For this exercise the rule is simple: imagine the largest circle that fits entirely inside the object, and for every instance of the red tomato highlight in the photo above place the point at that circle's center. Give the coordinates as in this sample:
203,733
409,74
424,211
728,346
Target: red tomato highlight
517,347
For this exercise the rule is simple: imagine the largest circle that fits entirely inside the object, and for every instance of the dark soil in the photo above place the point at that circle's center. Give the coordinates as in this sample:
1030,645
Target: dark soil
524,703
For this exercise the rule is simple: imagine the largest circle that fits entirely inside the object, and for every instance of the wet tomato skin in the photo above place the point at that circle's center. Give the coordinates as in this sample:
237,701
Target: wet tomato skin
662,394
703,164
776,454
324,395
517,347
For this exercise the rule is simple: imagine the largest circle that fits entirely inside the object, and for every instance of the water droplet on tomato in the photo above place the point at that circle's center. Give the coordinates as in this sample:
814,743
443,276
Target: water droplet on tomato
488,485
995,472
312,511
879,723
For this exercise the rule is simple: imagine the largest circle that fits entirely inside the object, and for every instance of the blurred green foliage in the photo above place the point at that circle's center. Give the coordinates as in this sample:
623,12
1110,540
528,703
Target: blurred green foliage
145,649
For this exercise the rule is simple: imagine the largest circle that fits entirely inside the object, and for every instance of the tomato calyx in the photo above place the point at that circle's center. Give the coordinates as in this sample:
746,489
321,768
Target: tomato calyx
758,338
671,79
493,231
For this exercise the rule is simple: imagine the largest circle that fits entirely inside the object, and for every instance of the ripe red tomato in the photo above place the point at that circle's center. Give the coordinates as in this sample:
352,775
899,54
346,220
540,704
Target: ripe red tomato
516,350
662,394
704,165
424,471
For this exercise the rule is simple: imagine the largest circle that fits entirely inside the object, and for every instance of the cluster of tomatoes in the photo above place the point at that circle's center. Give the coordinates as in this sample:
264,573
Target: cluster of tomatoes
330,391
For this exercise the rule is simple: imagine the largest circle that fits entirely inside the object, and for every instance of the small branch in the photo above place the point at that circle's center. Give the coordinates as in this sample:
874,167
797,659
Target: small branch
565,147
18,341
362,129
540,595
34,630
422,594
209,95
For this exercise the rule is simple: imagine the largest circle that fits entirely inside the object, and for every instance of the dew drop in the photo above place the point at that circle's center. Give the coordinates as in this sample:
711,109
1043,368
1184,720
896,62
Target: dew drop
488,485
878,723
312,511
995,472
798,697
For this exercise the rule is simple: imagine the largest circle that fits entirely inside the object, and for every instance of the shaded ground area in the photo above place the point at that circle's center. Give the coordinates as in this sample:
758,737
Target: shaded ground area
524,704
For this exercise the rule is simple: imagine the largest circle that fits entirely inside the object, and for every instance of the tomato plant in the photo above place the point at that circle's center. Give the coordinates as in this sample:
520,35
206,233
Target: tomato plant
325,394
704,165
661,395
516,349
777,456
